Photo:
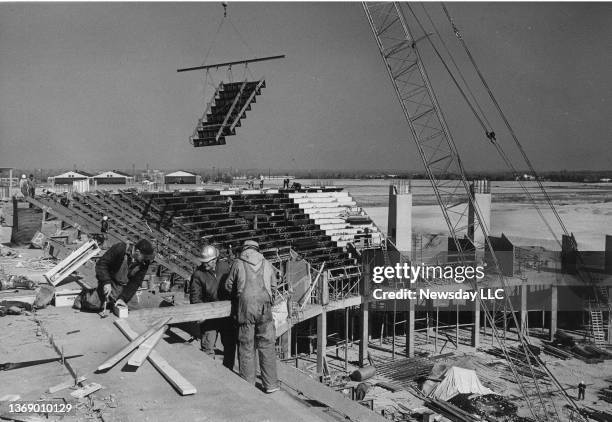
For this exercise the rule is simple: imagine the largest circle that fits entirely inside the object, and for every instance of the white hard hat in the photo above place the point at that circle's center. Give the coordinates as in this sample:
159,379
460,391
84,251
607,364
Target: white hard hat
105,218
23,176
209,253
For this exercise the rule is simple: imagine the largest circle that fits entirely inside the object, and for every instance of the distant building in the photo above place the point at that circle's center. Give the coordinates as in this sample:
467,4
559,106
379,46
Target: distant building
181,177
69,177
113,177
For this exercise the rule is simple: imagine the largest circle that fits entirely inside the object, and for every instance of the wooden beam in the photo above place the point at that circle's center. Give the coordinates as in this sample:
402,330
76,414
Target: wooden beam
210,310
183,313
183,386
113,360
228,64
145,349
300,382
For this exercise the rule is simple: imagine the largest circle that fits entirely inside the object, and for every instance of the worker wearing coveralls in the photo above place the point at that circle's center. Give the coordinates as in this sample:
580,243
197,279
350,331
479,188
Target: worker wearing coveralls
251,282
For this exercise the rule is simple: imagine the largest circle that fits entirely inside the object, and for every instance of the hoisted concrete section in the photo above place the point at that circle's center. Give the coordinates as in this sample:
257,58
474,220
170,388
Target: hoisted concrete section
225,112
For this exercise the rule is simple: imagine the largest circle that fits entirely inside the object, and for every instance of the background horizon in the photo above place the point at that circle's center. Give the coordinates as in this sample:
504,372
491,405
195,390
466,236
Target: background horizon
95,85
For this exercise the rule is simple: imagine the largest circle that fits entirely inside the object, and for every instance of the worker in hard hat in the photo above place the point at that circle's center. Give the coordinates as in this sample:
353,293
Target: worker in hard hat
251,282
206,285
24,186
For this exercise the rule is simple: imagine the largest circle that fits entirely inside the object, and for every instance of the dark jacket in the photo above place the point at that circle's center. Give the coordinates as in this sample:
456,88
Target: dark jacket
206,286
109,265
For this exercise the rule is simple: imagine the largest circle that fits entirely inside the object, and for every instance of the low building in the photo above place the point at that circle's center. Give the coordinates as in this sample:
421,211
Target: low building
113,177
69,177
180,177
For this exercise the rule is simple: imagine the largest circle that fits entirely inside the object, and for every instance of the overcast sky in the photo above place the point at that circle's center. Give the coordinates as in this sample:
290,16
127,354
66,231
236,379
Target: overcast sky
96,85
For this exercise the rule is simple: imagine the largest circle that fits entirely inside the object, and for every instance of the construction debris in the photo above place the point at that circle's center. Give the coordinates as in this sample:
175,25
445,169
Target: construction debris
86,390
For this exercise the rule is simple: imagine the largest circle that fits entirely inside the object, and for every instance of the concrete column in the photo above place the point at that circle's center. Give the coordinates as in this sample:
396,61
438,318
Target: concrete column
476,328
481,191
554,306
523,314
410,317
399,224
363,341
321,339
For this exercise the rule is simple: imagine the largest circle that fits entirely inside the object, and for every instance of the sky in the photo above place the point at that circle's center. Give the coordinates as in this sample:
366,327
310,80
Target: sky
94,85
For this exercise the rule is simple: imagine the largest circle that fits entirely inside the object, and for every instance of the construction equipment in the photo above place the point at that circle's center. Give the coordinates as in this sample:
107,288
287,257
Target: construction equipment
400,51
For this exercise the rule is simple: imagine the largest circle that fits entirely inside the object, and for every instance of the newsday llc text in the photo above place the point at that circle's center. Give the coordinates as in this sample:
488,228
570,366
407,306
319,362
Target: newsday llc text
414,273
424,294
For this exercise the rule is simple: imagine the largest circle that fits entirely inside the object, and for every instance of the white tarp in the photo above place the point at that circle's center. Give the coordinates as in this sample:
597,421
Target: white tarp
458,381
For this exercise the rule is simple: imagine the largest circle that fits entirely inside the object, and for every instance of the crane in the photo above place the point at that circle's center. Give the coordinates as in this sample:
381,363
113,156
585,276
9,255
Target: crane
398,44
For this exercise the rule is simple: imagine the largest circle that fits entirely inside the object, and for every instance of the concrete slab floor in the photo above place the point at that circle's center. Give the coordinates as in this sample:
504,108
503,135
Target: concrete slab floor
142,395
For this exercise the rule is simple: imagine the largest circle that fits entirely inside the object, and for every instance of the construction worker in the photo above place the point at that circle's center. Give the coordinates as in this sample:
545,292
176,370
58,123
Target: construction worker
581,390
24,186
261,181
207,285
121,269
103,230
251,281
31,186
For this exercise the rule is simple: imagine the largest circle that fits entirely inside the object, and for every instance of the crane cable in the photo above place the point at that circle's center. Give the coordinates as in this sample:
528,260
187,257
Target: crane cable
509,163
522,340
520,147
504,118
482,113
457,157
490,134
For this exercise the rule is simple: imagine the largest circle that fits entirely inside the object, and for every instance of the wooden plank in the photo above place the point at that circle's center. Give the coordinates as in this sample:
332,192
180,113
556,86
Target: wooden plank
145,348
183,386
113,360
72,262
183,313
65,384
85,391
300,382
210,310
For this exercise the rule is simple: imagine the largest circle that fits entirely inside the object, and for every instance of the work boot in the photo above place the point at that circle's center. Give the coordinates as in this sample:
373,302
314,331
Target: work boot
271,390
